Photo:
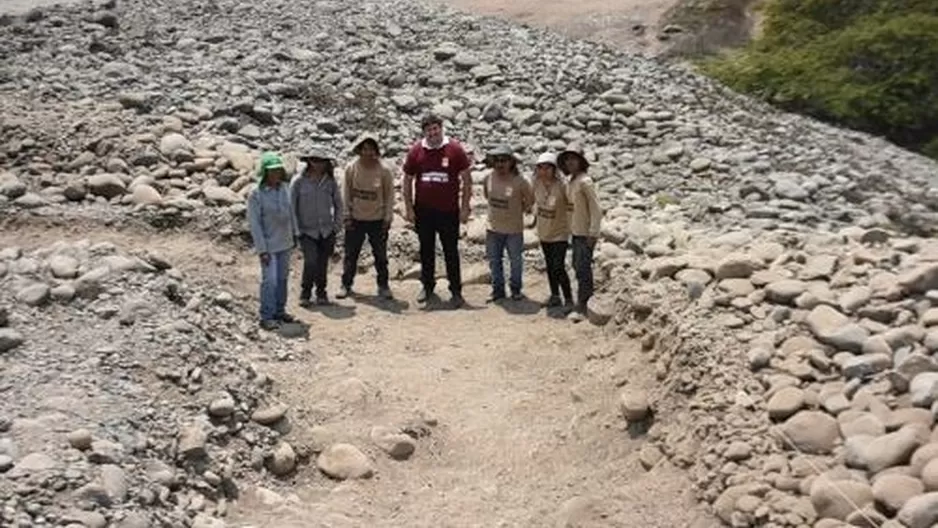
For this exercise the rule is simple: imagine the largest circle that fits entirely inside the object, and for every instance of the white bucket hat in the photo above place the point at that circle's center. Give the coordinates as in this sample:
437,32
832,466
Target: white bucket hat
548,158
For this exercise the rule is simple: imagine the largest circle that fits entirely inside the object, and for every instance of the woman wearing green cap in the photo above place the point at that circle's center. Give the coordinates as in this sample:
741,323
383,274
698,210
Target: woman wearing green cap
272,228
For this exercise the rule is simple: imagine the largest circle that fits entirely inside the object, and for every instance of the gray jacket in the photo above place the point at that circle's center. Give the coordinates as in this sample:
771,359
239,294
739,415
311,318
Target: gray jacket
316,205
270,219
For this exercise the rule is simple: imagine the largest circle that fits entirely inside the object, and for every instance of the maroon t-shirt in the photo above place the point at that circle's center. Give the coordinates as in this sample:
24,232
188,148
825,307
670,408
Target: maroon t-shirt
436,174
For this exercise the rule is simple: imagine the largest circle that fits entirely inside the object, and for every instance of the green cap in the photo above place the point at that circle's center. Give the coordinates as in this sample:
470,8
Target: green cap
269,160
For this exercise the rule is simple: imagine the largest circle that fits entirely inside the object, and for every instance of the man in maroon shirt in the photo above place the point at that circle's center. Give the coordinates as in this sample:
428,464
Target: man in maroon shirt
438,170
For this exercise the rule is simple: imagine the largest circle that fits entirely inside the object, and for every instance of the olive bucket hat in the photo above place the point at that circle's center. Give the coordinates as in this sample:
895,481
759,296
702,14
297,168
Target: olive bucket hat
312,152
501,151
574,149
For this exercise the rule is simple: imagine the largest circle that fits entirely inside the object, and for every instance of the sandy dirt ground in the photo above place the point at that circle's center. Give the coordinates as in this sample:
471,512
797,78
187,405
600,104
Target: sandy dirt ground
21,6
626,24
528,428
529,433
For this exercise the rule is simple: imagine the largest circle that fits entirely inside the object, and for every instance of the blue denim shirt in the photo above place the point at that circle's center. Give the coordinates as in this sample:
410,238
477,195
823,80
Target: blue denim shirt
317,206
271,219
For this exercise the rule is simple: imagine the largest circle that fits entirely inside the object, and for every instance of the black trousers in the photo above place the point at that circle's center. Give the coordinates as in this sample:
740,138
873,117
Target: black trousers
431,223
583,266
555,254
316,254
355,236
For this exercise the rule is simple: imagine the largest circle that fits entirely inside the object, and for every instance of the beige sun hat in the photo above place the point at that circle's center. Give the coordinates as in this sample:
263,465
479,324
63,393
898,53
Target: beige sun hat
547,158
362,139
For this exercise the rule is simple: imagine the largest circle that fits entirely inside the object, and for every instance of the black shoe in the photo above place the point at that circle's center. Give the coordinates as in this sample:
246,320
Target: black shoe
385,293
495,297
517,296
457,301
344,292
270,325
323,300
553,302
287,318
305,303
424,295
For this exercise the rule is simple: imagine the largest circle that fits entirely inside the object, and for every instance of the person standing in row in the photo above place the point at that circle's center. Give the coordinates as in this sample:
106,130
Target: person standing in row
272,229
509,197
585,217
369,208
553,227
437,188
317,207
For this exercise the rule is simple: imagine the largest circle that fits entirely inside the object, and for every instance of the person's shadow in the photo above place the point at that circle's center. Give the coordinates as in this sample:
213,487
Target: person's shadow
524,306
294,330
394,306
333,310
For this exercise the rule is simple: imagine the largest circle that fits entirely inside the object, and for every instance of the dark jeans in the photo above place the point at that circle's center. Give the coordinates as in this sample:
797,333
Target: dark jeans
429,224
355,236
555,254
495,246
583,266
316,254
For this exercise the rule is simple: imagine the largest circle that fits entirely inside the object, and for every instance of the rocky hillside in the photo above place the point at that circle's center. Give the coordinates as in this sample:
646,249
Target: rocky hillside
769,263
86,334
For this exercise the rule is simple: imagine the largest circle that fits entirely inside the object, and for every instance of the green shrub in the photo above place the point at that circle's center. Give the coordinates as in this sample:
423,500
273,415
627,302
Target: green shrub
866,64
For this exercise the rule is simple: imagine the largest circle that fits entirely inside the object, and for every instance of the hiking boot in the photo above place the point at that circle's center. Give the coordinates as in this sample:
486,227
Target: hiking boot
270,325
344,292
424,295
553,302
385,293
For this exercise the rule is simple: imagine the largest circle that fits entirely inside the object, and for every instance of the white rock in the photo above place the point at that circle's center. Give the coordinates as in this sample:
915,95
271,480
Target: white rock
345,461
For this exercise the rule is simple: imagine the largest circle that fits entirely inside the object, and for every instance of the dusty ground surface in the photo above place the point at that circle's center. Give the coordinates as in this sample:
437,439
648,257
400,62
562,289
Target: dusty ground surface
20,6
626,24
527,429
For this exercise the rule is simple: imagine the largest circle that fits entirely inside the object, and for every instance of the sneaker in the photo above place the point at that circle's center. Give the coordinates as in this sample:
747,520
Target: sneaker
305,303
323,300
495,298
517,296
287,318
270,325
457,301
424,295
385,293
344,292
553,302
